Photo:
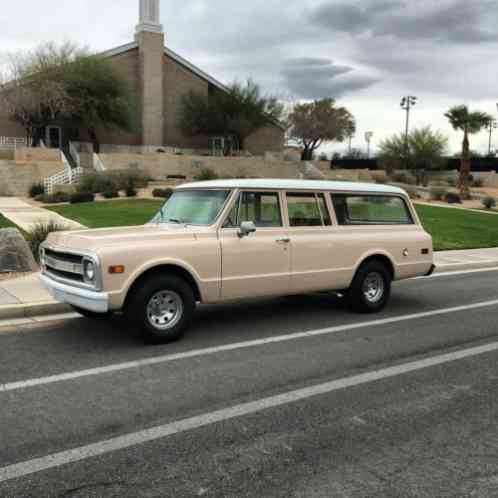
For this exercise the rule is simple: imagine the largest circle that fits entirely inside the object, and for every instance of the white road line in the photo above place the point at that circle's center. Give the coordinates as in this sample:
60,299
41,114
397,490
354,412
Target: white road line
453,273
23,384
141,437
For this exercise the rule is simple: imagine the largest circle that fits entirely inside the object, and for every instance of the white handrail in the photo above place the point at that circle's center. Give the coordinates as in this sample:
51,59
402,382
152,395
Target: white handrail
98,165
69,176
75,154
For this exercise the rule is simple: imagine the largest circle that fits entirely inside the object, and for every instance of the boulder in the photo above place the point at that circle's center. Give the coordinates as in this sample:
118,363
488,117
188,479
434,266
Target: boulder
15,254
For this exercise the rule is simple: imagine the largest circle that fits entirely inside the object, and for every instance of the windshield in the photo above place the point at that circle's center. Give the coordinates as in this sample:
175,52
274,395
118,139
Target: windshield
194,207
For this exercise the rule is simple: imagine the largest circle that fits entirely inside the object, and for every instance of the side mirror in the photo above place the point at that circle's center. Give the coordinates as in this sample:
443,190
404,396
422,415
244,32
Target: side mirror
246,228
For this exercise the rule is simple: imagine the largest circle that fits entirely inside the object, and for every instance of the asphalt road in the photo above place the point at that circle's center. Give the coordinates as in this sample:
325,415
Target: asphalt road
290,397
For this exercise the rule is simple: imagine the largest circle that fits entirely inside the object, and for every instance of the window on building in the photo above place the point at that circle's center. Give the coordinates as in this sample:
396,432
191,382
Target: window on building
307,210
262,208
368,210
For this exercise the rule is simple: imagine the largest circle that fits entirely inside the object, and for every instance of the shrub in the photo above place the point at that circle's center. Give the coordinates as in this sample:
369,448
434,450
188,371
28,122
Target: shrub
162,193
489,202
438,193
206,174
478,183
56,198
452,182
38,234
111,194
453,198
176,177
412,192
111,182
36,189
80,197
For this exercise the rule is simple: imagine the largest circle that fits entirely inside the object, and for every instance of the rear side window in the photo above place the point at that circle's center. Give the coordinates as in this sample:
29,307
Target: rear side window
307,210
371,210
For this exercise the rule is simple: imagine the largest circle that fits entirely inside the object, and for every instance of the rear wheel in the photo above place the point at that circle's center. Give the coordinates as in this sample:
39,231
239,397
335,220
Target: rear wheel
162,307
371,288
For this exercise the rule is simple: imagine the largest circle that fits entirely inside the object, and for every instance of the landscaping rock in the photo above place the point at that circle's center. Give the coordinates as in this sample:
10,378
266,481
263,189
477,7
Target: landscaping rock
15,254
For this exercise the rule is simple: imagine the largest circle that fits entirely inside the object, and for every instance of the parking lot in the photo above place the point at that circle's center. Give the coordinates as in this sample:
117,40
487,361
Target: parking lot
282,397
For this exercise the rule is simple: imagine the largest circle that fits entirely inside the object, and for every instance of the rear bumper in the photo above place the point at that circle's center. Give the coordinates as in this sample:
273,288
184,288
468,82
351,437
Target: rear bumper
97,302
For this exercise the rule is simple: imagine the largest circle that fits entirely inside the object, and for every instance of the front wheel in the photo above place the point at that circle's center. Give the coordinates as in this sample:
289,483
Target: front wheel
371,288
162,307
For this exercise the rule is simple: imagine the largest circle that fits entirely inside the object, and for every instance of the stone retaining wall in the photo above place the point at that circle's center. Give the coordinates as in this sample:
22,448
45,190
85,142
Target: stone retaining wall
17,178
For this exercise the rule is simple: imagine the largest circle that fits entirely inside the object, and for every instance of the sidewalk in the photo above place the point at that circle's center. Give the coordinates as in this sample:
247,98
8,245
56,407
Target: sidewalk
25,297
26,216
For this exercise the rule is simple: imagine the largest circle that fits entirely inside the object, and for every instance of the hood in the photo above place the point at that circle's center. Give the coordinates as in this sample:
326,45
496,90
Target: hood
124,236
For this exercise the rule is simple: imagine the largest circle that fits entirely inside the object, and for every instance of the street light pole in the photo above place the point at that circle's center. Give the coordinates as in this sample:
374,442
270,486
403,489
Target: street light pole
368,138
406,104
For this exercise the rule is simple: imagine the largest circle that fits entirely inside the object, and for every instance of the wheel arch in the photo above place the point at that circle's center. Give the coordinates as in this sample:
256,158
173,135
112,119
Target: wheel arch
381,257
166,268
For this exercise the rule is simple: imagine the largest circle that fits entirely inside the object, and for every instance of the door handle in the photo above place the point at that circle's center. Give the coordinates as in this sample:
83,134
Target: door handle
285,240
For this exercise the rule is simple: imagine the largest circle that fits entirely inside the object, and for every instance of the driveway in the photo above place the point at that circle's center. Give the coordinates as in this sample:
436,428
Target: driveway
26,216
291,397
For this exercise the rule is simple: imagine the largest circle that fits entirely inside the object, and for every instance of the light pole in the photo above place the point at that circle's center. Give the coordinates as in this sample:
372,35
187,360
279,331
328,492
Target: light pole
406,104
368,138
492,125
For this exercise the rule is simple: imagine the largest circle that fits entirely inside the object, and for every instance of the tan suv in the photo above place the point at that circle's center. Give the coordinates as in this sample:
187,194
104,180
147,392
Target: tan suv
224,240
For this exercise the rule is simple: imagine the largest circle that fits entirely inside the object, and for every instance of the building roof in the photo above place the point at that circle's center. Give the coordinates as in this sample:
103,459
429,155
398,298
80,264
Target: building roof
183,62
275,184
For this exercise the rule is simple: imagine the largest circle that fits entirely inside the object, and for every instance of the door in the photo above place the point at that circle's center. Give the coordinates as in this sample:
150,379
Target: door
257,264
313,244
54,137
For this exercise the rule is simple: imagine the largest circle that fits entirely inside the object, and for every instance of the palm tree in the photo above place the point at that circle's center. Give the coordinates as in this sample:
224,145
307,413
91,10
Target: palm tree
470,123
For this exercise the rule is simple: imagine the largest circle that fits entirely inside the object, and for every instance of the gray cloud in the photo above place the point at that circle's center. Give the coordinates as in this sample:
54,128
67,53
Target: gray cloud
311,78
456,21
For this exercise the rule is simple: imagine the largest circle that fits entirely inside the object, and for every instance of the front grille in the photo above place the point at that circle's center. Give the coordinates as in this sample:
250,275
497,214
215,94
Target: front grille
63,265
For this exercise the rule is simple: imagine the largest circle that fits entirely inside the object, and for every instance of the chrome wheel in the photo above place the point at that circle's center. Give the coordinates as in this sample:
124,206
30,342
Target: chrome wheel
164,310
373,287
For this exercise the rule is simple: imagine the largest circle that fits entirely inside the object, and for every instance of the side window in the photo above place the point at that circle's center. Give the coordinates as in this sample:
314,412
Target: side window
307,210
262,208
371,210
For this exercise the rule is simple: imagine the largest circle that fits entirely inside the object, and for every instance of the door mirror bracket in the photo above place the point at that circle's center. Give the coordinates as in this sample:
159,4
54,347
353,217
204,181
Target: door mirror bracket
246,228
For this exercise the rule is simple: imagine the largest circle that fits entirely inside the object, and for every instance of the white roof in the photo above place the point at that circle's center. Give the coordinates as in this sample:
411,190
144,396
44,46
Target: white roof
295,185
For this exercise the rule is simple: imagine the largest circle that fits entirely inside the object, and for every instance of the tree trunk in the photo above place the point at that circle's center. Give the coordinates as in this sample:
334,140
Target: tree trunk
464,182
307,154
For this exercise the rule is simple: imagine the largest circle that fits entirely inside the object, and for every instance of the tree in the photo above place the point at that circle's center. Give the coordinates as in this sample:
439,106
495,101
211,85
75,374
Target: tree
426,149
470,123
233,114
57,83
315,123
100,96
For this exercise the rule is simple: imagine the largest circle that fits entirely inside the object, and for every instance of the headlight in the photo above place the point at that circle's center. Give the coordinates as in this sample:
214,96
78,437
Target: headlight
89,271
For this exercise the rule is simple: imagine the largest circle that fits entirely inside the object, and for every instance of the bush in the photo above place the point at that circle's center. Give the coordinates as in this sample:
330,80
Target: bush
111,194
36,189
56,198
176,177
38,234
162,193
453,198
438,193
406,178
206,174
452,182
80,197
478,183
489,202
412,192
111,182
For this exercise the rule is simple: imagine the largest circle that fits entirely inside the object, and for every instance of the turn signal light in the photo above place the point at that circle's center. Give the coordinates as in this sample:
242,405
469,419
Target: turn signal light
116,270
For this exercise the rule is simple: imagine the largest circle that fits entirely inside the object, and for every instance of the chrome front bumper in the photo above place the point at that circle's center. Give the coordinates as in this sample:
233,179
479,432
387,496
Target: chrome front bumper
82,298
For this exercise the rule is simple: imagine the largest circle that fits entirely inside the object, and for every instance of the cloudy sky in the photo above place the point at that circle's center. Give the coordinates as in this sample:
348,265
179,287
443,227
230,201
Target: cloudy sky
365,53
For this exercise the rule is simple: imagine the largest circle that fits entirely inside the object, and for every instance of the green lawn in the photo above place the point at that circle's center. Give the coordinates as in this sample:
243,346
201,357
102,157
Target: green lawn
459,229
5,223
450,228
110,214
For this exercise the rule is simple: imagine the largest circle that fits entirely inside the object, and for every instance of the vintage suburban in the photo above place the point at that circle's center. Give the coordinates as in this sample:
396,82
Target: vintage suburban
225,240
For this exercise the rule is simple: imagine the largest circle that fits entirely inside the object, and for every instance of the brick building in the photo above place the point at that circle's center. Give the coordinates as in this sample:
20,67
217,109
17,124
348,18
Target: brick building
160,78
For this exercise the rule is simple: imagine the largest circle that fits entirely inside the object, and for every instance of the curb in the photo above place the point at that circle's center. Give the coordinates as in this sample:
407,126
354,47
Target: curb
30,310
478,265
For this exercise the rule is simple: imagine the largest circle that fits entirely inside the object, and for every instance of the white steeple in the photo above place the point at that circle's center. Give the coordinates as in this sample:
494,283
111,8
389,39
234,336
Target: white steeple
149,17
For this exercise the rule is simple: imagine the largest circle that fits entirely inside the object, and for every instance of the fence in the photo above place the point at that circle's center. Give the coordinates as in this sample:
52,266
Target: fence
68,176
13,142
